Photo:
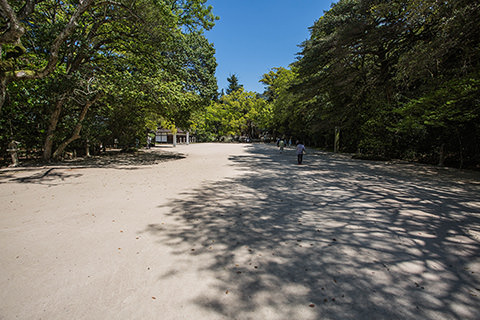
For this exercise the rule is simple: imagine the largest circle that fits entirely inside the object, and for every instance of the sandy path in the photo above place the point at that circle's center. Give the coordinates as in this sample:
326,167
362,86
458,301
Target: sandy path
240,232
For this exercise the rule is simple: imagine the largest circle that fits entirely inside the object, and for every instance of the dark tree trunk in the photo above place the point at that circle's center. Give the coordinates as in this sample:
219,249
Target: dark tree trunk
76,131
48,146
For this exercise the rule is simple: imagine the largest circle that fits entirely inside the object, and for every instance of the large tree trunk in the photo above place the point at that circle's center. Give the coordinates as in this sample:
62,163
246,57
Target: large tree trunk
442,155
48,146
460,149
76,131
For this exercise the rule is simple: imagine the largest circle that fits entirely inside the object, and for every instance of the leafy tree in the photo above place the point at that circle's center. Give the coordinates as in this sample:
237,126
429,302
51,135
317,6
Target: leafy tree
394,75
448,117
233,84
143,60
285,108
438,78
240,113
11,39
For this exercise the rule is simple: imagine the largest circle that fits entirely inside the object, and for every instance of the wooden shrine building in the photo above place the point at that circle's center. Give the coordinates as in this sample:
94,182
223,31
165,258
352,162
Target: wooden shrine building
165,136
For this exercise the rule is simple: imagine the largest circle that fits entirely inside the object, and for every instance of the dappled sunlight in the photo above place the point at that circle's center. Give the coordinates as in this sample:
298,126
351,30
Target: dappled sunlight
333,239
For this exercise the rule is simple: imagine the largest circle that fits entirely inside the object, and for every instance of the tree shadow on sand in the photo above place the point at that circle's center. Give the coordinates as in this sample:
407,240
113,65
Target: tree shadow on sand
53,172
333,239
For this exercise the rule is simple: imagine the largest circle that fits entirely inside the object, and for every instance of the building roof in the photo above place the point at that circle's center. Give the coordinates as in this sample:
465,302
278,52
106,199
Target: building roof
168,131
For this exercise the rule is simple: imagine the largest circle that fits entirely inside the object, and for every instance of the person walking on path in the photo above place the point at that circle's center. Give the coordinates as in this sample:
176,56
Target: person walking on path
300,152
281,144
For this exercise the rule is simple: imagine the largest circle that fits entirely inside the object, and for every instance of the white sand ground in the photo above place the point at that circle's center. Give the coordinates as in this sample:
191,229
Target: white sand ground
237,231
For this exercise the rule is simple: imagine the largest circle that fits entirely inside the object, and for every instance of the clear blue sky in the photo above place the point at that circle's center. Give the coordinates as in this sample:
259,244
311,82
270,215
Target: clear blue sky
254,36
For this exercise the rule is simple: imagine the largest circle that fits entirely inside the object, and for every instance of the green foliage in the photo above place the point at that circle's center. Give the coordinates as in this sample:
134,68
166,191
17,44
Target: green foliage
233,84
400,78
285,109
140,61
240,113
453,103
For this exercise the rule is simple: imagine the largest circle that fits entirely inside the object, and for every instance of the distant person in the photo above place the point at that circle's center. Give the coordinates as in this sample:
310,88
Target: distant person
290,142
149,142
300,152
281,144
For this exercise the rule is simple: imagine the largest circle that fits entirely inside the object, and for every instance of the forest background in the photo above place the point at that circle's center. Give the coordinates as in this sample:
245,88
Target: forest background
394,78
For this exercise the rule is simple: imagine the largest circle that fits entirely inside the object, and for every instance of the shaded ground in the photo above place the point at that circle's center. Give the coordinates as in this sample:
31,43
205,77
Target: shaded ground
111,158
41,172
240,232
119,159
347,239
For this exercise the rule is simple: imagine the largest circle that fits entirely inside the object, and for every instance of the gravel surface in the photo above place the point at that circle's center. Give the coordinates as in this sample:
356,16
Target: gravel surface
238,231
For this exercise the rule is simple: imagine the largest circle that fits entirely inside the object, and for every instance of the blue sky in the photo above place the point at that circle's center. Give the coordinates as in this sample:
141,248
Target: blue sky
254,36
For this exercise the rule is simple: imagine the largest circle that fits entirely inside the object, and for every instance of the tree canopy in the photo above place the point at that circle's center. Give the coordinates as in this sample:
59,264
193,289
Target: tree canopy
233,84
399,78
240,114
107,69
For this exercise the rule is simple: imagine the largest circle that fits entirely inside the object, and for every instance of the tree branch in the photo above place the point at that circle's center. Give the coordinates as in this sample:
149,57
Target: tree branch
15,30
27,9
76,131
55,48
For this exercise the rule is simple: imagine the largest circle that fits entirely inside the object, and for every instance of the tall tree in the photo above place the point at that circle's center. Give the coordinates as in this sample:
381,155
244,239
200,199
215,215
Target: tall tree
399,78
233,84
285,120
157,48
241,113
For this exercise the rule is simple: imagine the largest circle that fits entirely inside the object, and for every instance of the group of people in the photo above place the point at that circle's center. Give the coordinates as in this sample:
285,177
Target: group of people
300,149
